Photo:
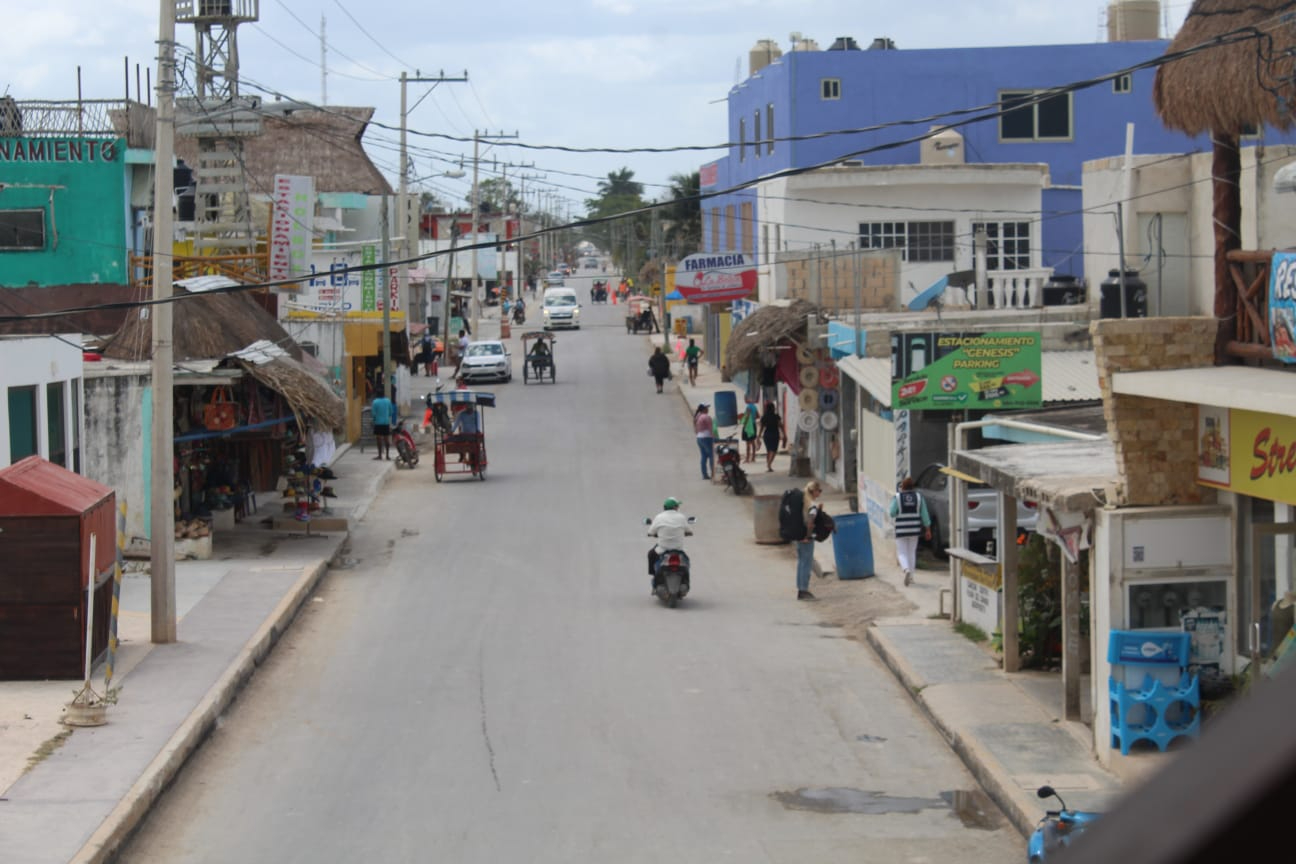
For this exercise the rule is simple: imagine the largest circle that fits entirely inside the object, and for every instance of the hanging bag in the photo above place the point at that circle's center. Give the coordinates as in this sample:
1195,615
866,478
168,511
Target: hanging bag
220,412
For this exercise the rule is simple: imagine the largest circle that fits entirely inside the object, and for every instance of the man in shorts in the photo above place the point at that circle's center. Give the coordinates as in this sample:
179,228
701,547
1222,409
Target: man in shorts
383,412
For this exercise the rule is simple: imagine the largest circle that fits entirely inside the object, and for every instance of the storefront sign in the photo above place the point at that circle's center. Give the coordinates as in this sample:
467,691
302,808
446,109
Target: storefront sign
291,227
1282,306
337,289
1247,452
58,150
983,371
716,277
982,586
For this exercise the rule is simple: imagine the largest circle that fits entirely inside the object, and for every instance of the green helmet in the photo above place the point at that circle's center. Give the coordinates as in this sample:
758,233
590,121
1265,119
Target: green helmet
670,504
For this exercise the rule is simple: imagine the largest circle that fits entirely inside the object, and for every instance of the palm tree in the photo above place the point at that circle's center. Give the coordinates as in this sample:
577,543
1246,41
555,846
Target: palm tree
620,183
684,215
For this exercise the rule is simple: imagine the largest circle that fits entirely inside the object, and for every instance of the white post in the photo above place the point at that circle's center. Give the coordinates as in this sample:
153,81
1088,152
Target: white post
90,590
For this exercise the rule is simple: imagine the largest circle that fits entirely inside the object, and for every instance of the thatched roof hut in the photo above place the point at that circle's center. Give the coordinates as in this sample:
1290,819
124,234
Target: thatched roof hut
1235,85
765,328
215,326
1223,89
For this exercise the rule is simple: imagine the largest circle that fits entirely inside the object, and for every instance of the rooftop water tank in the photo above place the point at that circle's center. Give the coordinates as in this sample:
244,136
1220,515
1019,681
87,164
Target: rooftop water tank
844,43
1133,20
762,54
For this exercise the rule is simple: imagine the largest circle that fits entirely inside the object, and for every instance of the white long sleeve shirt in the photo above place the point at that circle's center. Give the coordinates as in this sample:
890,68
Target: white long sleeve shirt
669,528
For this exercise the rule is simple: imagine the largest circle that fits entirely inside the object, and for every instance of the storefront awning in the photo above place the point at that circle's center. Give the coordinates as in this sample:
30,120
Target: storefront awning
1270,391
1073,476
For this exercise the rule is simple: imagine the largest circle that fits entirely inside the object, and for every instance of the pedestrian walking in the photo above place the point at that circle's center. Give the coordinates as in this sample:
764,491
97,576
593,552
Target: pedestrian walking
705,429
749,426
909,511
383,413
659,367
805,546
692,354
463,350
772,434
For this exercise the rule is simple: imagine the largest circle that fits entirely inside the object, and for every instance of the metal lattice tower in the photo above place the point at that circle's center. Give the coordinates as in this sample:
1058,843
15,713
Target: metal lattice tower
221,120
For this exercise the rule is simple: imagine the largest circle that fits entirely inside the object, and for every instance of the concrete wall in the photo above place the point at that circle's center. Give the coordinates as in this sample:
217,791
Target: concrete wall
1155,440
40,361
117,442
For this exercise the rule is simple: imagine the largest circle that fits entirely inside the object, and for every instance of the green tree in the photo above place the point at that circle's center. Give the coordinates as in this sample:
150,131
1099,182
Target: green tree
626,237
683,217
495,195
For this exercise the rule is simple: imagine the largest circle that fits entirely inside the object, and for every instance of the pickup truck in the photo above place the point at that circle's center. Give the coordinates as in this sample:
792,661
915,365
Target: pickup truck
982,510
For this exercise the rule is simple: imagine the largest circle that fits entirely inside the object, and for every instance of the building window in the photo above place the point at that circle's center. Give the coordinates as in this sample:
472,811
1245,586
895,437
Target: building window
715,229
1007,245
55,423
729,229
1046,120
747,226
765,256
769,129
917,241
22,423
742,139
22,229
1123,84
1249,130
830,88
756,133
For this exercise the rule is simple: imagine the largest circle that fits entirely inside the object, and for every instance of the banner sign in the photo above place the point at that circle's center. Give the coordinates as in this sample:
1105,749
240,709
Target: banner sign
982,587
1282,306
336,290
716,277
1247,452
984,370
291,227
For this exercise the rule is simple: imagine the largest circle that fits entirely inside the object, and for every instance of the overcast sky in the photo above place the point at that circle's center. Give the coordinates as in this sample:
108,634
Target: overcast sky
574,73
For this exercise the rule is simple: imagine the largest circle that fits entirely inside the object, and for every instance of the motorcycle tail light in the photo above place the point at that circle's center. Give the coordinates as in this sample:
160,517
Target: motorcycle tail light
972,505
672,560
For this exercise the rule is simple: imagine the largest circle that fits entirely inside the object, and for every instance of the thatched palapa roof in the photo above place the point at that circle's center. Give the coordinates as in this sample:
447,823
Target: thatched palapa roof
765,328
296,139
1236,84
213,326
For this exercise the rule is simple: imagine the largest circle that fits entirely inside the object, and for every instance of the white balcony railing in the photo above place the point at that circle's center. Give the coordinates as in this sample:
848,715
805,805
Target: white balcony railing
1013,289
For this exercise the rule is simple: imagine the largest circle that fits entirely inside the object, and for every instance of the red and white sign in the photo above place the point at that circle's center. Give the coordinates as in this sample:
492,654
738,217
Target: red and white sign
716,277
291,226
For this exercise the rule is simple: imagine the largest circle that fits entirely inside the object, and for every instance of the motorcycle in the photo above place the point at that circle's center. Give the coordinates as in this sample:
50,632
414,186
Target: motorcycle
671,579
407,455
519,313
729,459
1057,829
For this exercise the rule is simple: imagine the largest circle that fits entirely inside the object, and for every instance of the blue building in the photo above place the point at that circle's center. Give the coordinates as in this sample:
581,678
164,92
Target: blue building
790,112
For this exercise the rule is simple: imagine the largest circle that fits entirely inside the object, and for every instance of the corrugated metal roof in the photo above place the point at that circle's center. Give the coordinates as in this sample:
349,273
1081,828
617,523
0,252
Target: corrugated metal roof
37,487
1067,376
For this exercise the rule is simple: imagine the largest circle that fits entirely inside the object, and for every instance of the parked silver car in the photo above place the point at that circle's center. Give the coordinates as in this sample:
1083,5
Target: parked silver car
982,510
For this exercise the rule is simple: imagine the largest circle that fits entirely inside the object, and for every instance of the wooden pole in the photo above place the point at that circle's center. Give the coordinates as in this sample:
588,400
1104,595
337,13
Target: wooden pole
1226,175
1071,659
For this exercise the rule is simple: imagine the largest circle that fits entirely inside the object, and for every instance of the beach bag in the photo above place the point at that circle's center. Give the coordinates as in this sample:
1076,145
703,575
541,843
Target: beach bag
220,412
791,515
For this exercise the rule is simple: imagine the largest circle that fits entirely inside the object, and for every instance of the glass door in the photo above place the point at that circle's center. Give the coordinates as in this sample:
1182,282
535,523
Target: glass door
1272,561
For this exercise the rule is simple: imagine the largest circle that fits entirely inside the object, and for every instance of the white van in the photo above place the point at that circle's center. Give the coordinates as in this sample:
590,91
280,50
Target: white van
560,308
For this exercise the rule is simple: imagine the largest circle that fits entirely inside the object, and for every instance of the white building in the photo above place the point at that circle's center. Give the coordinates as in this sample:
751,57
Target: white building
41,379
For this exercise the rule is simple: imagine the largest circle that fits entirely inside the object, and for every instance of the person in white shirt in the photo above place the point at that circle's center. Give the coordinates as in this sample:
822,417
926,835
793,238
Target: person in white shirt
670,527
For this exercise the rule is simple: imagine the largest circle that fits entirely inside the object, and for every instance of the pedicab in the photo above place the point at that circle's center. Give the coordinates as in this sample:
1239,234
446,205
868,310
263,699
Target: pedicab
639,316
599,291
538,359
459,429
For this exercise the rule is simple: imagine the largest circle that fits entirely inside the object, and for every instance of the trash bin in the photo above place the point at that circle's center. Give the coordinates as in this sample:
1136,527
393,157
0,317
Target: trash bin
853,546
766,515
726,408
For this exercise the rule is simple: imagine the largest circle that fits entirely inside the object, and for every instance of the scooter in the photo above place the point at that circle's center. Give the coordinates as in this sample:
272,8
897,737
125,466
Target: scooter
1057,829
671,581
407,455
519,313
729,459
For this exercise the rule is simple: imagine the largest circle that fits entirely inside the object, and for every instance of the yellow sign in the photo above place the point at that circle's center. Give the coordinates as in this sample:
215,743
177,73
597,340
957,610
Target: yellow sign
1247,452
990,577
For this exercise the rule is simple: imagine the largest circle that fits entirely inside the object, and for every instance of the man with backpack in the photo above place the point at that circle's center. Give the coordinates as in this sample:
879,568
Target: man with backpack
909,511
798,513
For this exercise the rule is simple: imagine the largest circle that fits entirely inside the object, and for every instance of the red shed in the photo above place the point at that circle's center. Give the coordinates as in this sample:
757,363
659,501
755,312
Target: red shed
47,514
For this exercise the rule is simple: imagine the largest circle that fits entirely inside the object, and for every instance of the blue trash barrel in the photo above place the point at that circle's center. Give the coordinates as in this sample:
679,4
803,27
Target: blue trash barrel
726,408
853,546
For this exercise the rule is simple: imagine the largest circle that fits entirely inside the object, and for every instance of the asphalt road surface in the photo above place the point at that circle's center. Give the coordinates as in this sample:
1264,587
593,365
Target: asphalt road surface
488,679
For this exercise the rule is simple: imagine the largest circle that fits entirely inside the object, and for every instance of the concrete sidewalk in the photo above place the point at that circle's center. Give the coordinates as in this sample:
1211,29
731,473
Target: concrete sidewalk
1007,729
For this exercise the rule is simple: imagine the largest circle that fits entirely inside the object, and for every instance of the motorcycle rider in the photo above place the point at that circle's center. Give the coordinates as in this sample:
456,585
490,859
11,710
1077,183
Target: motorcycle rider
519,311
670,527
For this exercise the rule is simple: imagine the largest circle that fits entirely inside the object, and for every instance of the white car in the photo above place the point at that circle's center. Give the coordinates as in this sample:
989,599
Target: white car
560,308
554,278
488,360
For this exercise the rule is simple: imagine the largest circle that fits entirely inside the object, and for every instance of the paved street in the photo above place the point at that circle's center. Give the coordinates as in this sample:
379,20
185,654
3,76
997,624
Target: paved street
487,678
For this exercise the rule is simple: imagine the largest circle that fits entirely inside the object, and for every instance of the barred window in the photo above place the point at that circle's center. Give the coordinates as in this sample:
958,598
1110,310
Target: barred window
1007,245
918,241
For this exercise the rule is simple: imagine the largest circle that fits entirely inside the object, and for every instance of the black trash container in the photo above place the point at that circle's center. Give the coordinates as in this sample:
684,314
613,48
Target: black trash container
1135,296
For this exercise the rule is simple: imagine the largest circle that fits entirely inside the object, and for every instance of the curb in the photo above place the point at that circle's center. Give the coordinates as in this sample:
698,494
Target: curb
107,839
984,768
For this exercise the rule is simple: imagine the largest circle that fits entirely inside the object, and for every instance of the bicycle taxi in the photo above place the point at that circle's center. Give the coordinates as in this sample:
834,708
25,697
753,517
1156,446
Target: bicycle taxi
459,430
538,356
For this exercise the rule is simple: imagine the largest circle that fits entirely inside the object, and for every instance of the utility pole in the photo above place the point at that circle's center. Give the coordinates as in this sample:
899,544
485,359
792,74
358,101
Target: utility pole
162,601
409,226
476,287
521,247
324,65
